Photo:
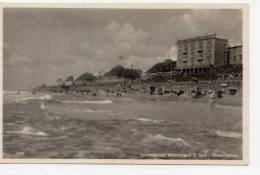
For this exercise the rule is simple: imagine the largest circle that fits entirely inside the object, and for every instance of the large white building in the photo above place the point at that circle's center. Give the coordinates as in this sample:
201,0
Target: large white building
196,55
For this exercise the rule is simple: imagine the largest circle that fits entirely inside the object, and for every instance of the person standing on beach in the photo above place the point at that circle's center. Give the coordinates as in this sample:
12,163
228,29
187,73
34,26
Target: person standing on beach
212,97
177,95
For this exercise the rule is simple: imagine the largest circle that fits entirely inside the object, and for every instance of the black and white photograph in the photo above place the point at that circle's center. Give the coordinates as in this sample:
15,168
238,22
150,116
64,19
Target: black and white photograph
130,84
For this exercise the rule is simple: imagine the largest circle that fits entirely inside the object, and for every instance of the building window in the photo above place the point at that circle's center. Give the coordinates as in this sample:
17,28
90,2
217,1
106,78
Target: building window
209,54
191,60
192,47
240,57
185,50
199,46
234,59
180,48
209,44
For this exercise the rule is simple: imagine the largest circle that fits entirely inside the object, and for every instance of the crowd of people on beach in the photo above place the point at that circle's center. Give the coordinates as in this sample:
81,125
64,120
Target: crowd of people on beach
139,90
207,92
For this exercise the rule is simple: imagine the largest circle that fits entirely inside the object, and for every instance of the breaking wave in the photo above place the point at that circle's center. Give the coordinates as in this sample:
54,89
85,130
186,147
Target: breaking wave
160,139
86,102
232,107
27,130
42,106
23,97
229,134
163,140
15,92
148,120
44,97
98,111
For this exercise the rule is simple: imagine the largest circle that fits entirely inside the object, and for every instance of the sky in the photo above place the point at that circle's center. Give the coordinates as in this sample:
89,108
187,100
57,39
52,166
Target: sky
42,45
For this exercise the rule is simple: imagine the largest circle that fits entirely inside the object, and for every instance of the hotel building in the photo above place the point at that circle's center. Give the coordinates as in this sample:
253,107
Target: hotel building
197,55
235,55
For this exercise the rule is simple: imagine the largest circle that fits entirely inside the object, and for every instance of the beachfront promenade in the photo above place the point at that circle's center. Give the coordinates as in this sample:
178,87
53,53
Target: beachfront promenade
228,87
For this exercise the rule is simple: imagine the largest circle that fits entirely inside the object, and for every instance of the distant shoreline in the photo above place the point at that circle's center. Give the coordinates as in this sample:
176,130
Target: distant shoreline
234,101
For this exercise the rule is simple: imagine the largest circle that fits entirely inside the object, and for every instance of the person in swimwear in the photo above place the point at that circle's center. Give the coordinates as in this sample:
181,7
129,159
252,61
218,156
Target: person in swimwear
212,98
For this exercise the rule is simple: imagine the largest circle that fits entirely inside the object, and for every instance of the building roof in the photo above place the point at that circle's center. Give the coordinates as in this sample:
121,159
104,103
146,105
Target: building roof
59,80
117,71
69,78
233,47
131,73
199,38
121,72
86,77
165,66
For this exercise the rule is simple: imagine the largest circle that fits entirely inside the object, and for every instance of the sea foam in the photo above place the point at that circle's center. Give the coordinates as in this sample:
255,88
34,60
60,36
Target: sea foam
42,106
86,102
149,120
24,96
229,134
163,140
43,97
27,130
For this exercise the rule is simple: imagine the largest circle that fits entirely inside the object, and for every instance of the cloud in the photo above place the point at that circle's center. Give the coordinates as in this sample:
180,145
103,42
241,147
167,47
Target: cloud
125,33
13,59
225,23
84,45
125,36
140,62
172,53
187,22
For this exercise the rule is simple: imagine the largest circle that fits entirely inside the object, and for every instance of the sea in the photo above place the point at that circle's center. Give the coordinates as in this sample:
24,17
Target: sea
69,126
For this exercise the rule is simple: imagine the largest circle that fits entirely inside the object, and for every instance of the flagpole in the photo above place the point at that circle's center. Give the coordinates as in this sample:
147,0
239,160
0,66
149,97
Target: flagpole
171,65
171,71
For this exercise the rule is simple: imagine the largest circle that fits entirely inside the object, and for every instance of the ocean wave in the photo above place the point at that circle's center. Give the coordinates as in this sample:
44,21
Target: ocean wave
42,106
51,138
160,139
27,130
64,109
98,111
44,97
149,120
86,101
232,107
163,140
12,97
15,92
229,134
159,122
